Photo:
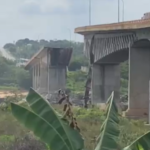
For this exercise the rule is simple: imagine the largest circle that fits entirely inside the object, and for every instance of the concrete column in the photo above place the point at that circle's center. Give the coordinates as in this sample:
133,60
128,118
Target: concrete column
97,84
139,75
112,81
33,77
43,76
44,79
40,75
57,78
149,104
36,74
105,79
41,80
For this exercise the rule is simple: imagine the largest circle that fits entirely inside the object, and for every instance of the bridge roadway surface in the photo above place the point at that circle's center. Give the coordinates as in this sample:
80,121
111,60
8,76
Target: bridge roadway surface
107,46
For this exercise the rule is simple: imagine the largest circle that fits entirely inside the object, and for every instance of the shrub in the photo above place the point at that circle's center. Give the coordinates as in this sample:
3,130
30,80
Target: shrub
89,121
26,143
59,134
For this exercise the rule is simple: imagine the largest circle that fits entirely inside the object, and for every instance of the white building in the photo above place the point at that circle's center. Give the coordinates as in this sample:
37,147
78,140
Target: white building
84,69
21,62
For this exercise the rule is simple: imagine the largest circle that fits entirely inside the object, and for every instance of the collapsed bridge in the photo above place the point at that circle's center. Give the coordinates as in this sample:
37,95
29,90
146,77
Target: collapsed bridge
107,46
49,68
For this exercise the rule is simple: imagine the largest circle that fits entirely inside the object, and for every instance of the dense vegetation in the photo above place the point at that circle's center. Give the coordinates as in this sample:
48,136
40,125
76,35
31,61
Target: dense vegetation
14,136
13,76
27,48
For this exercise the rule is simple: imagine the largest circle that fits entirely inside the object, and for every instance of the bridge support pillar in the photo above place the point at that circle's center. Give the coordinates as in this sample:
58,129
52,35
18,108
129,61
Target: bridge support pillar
44,79
57,78
105,79
139,75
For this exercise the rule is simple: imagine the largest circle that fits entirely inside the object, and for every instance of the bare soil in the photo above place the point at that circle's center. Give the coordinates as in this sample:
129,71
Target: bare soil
4,94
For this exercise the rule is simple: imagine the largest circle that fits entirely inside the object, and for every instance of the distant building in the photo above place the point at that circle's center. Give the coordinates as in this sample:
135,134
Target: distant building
84,69
48,68
21,62
146,16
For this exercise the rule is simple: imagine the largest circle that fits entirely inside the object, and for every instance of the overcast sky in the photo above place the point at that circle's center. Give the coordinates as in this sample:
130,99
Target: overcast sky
54,19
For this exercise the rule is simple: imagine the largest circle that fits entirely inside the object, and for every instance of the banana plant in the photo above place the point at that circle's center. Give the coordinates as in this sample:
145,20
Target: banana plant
46,124
142,143
109,133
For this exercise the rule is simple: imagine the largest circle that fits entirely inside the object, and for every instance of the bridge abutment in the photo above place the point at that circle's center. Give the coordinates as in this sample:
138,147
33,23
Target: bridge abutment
105,79
139,76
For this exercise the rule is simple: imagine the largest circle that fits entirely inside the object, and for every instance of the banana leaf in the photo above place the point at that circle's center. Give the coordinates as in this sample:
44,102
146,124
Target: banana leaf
109,131
142,143
41,128
42,108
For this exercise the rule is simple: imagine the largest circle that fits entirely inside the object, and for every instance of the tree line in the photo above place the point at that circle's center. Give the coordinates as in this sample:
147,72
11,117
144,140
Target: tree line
26,48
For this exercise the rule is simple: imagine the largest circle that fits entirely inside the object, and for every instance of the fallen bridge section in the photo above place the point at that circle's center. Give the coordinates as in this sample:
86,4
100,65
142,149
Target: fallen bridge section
49,67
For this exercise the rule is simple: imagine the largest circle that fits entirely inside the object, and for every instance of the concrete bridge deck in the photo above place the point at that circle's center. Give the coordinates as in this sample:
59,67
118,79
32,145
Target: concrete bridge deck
106,46
114,27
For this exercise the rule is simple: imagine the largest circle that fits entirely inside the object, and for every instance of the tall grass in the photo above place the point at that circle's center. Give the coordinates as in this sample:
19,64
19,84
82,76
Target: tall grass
14,136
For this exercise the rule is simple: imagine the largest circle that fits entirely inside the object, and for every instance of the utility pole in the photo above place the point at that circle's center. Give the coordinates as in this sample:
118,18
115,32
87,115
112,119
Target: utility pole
118,10
122,10
89,12
70,36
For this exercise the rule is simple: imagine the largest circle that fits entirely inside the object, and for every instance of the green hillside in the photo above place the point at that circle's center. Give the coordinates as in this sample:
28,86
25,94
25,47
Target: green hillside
25,48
